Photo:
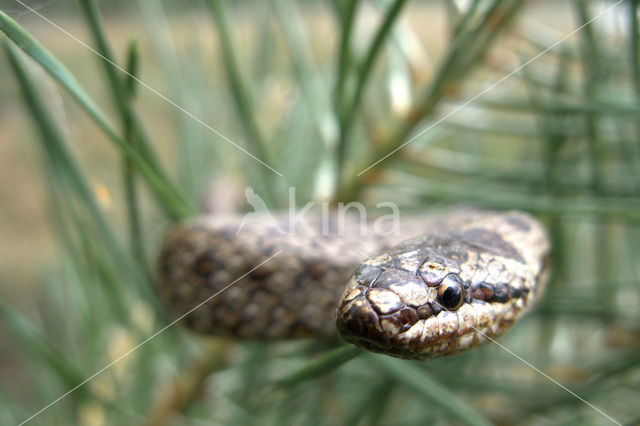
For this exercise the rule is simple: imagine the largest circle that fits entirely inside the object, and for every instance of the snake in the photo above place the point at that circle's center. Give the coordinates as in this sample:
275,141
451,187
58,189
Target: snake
442,283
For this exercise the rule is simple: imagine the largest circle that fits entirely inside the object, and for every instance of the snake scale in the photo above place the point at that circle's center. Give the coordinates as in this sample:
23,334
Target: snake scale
444,283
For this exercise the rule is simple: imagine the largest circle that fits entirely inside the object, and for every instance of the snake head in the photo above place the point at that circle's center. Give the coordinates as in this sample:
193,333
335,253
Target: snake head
430,308
383,311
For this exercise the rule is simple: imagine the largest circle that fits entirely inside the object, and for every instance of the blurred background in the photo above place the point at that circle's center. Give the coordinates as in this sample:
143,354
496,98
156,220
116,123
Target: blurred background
532,105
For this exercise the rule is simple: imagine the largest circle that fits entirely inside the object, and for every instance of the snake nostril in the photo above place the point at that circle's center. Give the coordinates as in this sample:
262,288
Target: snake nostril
501,293
408,316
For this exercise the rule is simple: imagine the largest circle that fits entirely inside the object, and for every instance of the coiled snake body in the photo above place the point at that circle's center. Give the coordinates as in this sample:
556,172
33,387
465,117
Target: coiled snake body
468,276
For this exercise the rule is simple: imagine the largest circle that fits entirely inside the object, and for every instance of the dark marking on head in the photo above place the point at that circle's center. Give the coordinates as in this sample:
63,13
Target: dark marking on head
515,293
482,291
367,275
518,222
500,293
491,242
389,277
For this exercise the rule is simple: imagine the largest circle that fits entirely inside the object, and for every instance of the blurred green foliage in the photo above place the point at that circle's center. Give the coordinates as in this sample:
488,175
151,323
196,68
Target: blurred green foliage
559,137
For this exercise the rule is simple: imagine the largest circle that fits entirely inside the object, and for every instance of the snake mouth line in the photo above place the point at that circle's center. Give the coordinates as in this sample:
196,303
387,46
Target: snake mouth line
364,343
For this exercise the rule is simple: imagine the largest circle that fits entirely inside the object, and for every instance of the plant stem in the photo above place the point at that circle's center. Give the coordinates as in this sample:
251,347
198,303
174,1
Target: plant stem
243,103
131,191
364,71
470,47
171,199
117,85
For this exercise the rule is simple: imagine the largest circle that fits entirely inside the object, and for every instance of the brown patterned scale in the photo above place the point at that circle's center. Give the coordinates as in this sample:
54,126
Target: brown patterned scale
468,276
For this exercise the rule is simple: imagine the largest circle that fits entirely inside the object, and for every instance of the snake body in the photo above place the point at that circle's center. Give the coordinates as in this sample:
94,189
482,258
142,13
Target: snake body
465,276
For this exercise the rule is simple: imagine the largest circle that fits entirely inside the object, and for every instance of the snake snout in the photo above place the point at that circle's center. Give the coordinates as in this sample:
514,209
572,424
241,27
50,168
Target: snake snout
357,321
375,316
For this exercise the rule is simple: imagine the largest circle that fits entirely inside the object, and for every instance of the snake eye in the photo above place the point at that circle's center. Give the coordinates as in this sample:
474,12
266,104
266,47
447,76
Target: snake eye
450,294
